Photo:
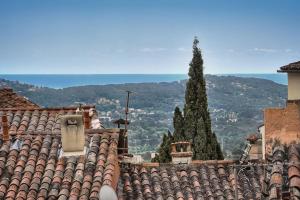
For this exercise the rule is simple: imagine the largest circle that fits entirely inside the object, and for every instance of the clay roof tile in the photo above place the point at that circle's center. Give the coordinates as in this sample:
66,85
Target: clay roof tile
292,67
36,171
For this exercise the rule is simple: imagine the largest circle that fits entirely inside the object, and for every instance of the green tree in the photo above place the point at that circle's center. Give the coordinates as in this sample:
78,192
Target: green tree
195,125
197,122
178,124
164,151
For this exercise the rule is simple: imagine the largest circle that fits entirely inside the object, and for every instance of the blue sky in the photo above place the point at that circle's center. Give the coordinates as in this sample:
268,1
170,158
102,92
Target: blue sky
147,36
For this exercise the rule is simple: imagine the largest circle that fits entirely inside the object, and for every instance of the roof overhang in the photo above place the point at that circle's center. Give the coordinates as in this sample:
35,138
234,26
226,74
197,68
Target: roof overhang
288,71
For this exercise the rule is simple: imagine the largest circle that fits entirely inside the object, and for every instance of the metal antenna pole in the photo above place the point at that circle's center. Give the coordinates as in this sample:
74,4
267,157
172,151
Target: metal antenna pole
126,109
126,118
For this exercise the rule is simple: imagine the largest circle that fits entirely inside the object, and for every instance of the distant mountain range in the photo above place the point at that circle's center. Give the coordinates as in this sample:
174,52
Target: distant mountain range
236,105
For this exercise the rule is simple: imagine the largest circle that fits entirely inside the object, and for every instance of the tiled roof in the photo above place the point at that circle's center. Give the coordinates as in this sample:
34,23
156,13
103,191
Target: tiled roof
283,176
9,99
31,167
41,119
214,180
278,178
292,67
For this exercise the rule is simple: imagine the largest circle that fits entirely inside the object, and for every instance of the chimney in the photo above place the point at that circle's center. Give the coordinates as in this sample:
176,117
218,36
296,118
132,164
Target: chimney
184,155
87,120
5,128
72,135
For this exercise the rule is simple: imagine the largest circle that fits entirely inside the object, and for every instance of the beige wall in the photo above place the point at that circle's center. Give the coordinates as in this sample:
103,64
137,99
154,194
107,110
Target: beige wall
294,86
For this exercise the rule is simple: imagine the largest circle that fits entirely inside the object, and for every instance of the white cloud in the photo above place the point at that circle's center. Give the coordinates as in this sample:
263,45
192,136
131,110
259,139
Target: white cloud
288,50
183,49
269,50
265,50
146,49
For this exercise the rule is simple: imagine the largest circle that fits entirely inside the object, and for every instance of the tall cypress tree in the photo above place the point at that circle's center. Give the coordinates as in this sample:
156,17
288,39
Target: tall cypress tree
197,122
195,125
178,124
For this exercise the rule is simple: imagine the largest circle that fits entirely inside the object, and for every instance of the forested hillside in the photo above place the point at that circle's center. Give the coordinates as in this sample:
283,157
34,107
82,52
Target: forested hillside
235,104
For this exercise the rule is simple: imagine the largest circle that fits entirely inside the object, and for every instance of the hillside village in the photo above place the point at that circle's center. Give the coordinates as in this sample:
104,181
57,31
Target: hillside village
149,100
67,153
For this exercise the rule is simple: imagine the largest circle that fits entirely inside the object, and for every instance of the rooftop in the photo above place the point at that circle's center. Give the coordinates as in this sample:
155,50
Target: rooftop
200,180
279,178
32,160
283,175
22,120
10,99
31,167
292,67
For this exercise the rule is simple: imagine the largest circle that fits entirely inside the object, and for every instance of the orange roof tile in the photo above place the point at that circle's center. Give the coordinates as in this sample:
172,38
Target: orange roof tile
10,99
31,167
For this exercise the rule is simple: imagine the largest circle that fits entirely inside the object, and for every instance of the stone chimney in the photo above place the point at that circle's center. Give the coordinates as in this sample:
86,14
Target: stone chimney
293,71
5,128
72,135
87,120
181,152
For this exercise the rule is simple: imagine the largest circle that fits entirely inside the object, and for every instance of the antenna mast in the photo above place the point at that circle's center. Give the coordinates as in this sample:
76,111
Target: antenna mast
126,109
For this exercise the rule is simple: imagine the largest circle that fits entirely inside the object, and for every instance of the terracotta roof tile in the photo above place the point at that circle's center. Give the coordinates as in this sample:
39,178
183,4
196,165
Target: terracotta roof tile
283,176
194,181
10,99
33,169
292,67
24,120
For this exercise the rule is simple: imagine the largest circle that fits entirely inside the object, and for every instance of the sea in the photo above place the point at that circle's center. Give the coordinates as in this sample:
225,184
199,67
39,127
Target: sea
69,80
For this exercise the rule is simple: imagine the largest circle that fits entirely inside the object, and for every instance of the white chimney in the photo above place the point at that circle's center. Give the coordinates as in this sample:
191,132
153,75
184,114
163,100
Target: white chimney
72,135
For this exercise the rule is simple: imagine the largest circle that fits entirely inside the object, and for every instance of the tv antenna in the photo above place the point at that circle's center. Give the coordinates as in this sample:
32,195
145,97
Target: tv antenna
127,109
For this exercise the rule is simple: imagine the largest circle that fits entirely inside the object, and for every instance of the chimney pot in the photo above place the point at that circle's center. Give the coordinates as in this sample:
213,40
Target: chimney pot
87,120
5,128
173,148
183,155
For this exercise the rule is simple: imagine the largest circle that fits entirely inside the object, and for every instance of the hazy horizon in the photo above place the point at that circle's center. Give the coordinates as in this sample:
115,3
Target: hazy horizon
136,74
70,80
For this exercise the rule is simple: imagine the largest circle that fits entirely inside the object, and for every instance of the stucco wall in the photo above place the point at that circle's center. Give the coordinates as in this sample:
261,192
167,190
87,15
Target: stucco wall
282,124
294,86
